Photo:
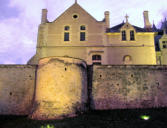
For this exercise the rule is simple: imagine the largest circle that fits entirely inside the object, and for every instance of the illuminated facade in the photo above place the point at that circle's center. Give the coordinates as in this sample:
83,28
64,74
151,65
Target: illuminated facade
77,34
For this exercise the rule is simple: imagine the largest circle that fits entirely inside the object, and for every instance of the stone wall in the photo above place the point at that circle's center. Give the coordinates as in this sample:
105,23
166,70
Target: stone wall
115,87
61,88
17,83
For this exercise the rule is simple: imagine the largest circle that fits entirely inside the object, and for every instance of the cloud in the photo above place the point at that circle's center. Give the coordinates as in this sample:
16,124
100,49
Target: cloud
18,34
19,20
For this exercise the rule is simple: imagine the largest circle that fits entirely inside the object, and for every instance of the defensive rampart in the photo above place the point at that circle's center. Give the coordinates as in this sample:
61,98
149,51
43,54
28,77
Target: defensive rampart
115,87
17,83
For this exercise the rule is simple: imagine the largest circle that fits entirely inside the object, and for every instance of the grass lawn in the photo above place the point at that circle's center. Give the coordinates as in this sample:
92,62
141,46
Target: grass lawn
95,119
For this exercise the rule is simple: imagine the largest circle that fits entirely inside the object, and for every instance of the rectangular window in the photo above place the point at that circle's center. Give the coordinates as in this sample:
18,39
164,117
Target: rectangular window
96,57
132,36
66,36
123,35
164,46
82,36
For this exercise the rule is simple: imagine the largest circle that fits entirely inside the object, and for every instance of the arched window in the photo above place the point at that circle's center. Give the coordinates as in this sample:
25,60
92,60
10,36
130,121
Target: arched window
127,59
82,33
66,33
66,28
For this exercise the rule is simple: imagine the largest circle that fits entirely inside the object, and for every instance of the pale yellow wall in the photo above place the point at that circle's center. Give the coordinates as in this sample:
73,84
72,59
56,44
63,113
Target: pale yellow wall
163,50
108,45
55,30
142,49
140,55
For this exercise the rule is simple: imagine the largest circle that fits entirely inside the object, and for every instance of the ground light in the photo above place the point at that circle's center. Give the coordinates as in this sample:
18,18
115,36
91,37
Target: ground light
47,126
145,117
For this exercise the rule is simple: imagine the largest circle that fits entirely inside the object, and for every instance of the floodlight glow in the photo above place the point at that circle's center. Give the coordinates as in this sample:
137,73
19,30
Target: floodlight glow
48,126
145,117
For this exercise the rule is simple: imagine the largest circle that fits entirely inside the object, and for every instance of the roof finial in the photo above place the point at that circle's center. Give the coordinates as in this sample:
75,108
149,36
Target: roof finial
126,18
75,1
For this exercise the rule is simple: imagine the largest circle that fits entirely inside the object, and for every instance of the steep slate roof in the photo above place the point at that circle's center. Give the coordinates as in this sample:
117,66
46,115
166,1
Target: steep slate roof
164,24
119,26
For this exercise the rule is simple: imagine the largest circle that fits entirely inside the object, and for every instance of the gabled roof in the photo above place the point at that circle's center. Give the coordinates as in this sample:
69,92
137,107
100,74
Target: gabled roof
119,26
73,6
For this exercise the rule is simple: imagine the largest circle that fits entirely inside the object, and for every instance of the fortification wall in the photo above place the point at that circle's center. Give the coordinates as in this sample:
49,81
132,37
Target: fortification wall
61,88
17,83
115,87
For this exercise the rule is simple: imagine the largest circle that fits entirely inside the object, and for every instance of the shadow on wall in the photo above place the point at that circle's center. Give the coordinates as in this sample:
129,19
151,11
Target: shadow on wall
90,78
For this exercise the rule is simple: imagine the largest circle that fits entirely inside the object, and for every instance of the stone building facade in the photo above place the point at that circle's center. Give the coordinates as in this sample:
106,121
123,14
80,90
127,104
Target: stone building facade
76,34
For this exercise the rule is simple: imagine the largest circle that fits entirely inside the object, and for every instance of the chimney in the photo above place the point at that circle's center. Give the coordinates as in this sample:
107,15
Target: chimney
146,20
44,16
107,19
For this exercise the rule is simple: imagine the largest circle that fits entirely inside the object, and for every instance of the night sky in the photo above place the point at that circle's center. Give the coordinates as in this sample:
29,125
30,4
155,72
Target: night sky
19,20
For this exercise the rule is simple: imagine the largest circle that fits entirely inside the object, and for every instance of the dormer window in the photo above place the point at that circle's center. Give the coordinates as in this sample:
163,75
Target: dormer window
66,33
132,35
164,44
123,35
82,33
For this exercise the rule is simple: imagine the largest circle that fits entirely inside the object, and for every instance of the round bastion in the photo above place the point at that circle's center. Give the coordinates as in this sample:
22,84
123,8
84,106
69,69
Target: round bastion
61,88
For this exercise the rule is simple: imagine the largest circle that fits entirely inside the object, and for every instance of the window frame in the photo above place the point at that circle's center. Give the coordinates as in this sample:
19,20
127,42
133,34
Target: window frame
66,33
132,35
96,57
68,36
123,34
82,38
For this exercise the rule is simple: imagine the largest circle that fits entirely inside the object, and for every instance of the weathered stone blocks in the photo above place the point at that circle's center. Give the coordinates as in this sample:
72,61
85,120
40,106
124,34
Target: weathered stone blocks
61,88
120,87
17,84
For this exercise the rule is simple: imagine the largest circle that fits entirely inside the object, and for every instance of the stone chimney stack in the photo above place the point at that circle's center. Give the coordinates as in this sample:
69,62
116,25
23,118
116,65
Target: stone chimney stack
44,16
107,19
147,23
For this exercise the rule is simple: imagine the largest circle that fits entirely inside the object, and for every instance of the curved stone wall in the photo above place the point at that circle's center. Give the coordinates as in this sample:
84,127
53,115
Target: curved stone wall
61,88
